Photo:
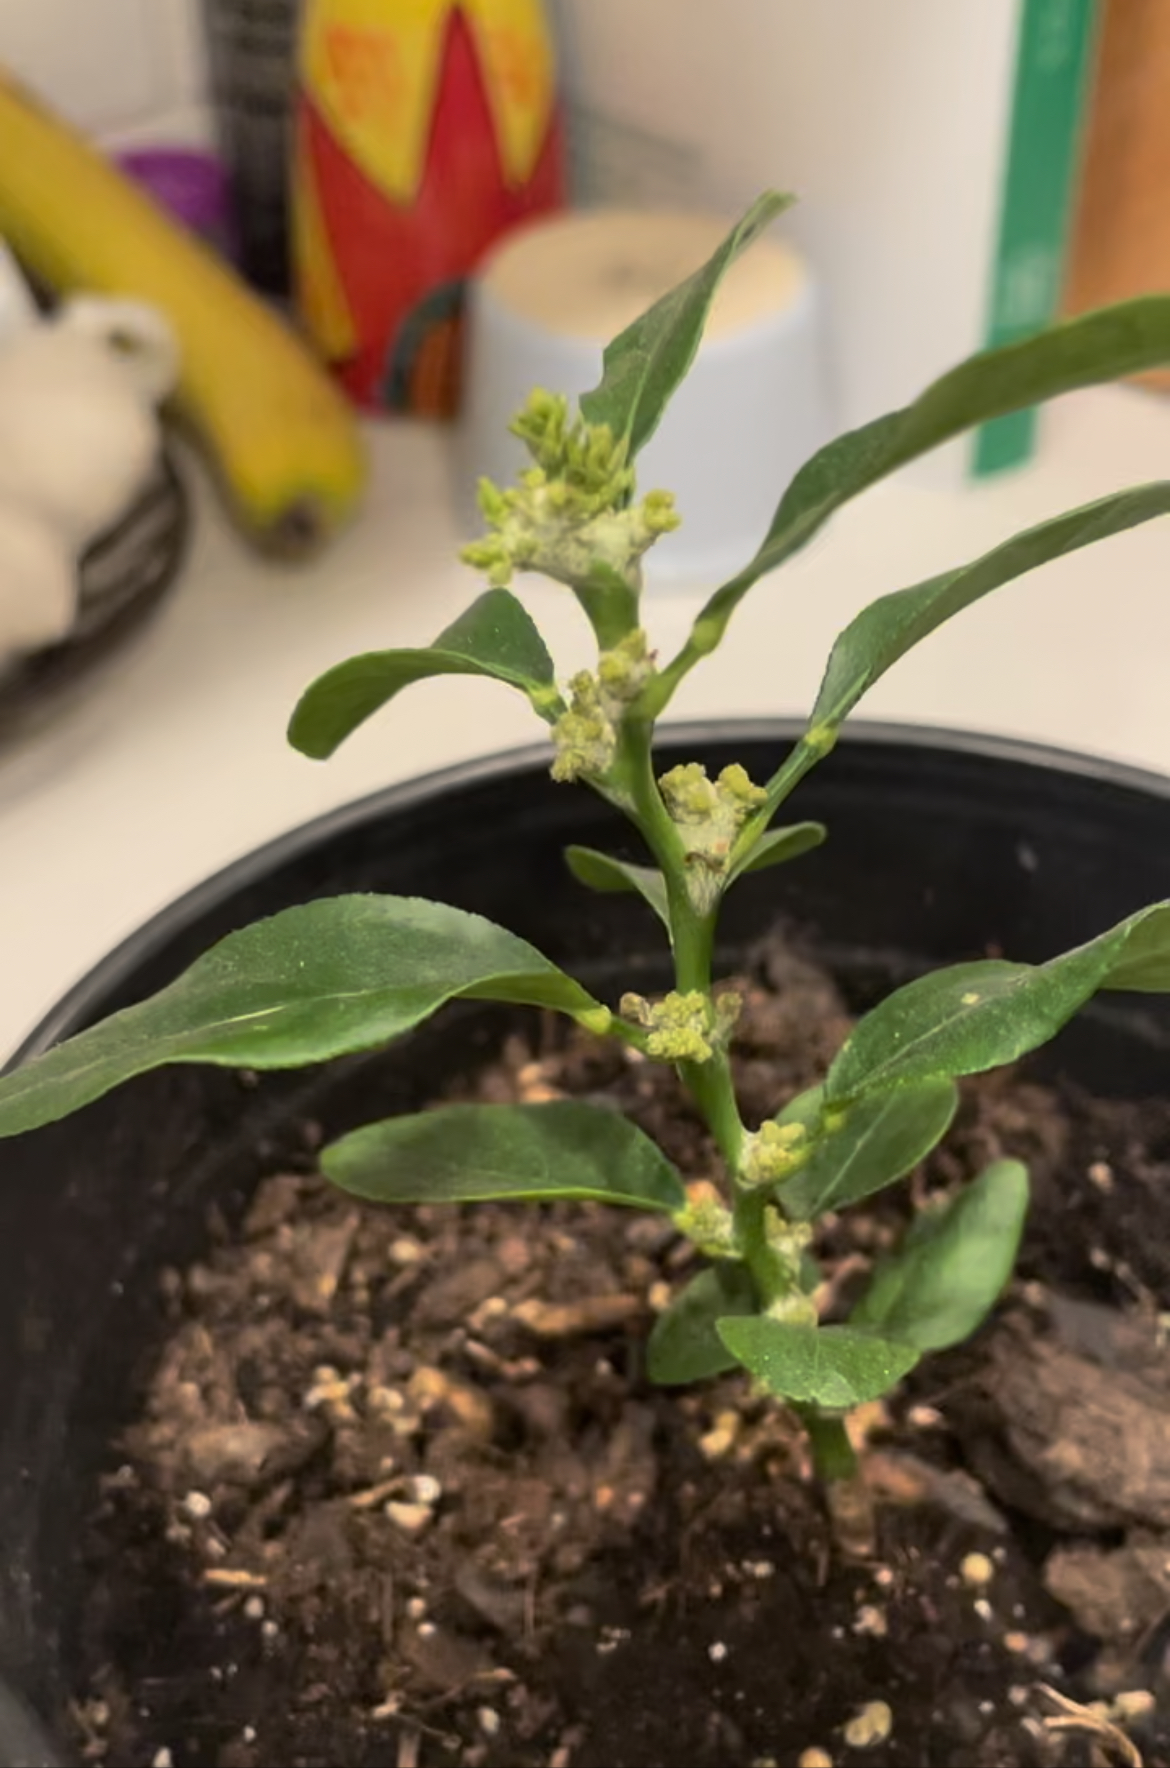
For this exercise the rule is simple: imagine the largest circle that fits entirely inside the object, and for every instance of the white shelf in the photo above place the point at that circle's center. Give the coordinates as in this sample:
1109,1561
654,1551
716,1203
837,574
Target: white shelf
178,764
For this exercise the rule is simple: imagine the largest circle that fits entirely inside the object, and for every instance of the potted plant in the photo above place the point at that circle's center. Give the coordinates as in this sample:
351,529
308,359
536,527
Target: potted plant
415,1453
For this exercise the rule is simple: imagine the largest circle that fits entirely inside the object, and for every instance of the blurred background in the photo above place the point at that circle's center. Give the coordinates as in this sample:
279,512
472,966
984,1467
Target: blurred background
379,218
902,126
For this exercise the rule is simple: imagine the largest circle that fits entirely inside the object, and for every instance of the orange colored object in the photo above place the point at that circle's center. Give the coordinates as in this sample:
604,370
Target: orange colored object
424,130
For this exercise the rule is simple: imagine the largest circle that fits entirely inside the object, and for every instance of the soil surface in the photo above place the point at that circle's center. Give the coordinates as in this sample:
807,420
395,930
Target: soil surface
399,1492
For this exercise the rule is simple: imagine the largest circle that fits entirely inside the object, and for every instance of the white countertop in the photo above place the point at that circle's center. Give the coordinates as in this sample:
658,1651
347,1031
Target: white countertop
177,763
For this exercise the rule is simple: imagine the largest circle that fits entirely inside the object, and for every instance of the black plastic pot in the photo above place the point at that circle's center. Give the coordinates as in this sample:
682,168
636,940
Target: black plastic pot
940,846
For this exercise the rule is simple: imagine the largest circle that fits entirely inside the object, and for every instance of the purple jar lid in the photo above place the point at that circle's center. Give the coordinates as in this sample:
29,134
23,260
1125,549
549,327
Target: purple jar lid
190,183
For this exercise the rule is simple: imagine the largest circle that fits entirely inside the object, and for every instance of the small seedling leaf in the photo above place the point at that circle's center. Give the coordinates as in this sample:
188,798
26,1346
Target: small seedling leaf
888,628
778,846
645,364
953,1265
685,1345
983,1014
466,1153
495,637
877,1140
1105,345
320,980
601,872
830,1366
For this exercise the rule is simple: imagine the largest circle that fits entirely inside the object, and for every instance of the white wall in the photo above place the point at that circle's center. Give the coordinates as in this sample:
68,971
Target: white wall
126,70
888,118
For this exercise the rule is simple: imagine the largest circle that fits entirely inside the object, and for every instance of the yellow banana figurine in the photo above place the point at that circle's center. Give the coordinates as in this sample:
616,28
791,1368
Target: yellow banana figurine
280,433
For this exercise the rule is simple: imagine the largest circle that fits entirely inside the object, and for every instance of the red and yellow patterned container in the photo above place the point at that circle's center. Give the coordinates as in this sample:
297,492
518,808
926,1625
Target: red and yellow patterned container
424,130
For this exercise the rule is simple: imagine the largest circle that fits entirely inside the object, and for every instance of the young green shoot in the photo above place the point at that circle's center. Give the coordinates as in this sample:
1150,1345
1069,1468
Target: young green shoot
351,973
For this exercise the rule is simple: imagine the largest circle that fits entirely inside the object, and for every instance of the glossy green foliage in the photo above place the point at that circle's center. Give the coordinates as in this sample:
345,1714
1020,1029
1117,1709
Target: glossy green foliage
320,980
610,877
953,1265
833,1367
866,1146
891,626
467,1153
685,1344
981,1015
1101,346
645,364
495,637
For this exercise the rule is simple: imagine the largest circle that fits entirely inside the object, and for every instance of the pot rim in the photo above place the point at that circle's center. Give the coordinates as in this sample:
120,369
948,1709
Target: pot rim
110,972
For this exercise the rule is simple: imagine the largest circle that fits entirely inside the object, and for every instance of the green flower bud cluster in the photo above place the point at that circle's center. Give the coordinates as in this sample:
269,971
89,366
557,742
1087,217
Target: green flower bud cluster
572,511
794,1308
709,815
710,812
585,736
788,1244
774,1153
623,672
683,1027
708,1224
584,457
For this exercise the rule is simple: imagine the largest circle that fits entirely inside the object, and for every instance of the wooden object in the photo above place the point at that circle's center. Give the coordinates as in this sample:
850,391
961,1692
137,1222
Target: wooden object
1121,237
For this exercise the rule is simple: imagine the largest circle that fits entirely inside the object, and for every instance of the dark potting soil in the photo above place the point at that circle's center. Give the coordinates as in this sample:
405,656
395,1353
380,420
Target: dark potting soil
399,1492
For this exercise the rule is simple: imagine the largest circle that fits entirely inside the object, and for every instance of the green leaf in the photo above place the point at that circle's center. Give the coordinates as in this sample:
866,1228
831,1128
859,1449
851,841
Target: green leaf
881,1138
495,637
644,365
1101,346
465,1153
889,627
980,1015
1142,962
831,1366
778,846
324,979
807,1108
684,1344
954,1264
600,871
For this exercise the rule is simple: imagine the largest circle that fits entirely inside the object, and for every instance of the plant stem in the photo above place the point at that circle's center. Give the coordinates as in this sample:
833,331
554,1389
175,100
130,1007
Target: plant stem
833,1455
633,773
750,1216
710,1083
692,933
610,604
692,930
